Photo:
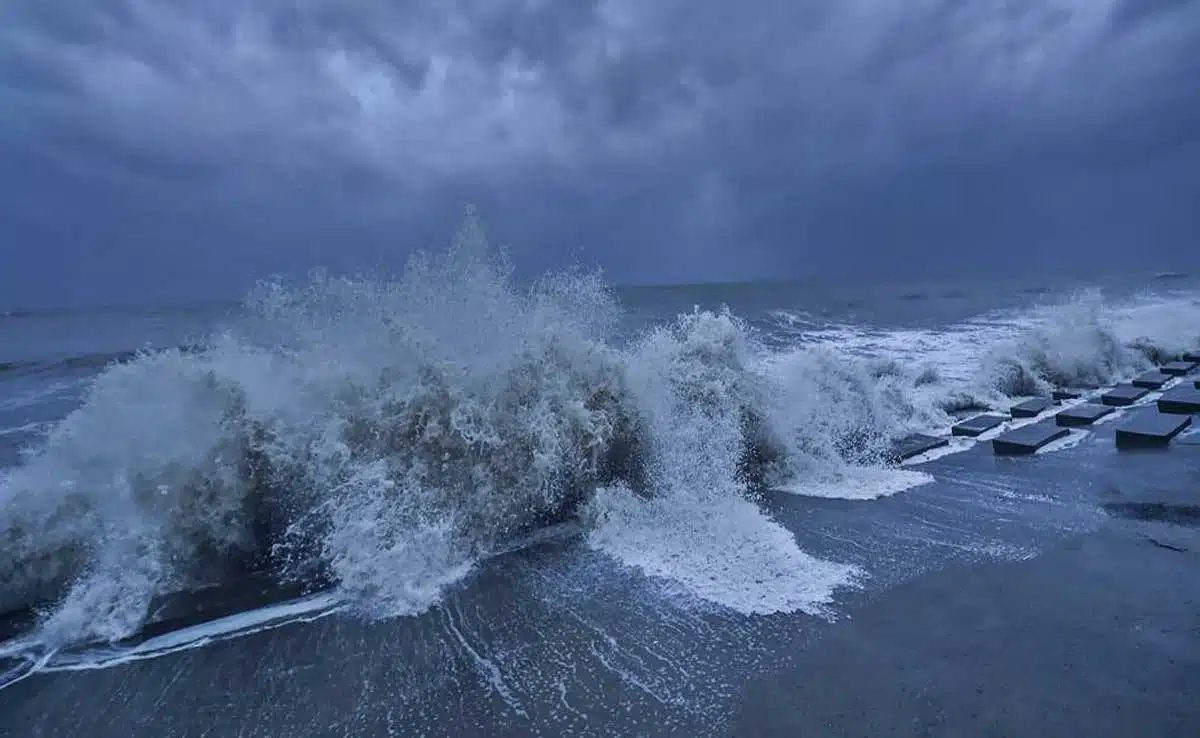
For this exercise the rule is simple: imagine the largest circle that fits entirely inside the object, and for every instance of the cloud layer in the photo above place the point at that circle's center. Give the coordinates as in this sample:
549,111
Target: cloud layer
186,148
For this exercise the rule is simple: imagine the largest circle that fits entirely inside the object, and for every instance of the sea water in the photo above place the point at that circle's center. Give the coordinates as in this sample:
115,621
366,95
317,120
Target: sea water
403,442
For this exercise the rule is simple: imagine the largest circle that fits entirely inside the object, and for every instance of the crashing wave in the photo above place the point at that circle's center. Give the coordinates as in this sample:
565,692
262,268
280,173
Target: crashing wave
1085,343
381,435
385,436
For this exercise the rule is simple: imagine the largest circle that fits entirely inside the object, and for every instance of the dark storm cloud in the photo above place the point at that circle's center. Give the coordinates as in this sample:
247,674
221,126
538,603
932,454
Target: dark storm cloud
1130,13
175,150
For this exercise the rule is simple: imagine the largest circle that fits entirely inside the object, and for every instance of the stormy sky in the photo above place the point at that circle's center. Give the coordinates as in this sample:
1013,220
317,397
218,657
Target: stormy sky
157,150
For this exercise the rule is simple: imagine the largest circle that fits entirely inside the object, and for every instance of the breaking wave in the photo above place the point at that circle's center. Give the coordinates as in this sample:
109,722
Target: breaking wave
383,437
1081,341
1085,343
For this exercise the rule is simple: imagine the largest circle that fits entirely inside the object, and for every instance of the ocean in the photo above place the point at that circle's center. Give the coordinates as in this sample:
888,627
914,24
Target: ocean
564,508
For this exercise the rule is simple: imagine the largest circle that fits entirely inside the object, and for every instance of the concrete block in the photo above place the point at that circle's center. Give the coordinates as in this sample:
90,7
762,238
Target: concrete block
915,445
1180,401
1152,380
1123,395
1031,408
978,425
1081,415
1178,368
1059,395
1151,430
1027,440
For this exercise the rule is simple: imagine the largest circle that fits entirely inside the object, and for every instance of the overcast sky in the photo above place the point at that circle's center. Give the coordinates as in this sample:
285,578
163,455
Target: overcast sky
154,150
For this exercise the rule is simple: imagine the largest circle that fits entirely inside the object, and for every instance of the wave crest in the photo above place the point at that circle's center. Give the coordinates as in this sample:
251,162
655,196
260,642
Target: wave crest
380,435
384,436
1078,349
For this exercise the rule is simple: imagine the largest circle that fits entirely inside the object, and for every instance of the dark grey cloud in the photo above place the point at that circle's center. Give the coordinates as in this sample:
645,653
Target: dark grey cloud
175,150
1131,13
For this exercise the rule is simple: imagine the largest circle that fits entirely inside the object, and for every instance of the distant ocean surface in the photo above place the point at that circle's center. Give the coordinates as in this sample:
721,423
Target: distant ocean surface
386,440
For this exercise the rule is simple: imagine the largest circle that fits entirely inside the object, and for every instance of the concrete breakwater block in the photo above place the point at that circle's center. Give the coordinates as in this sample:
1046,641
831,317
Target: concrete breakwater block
1081,415
1031,408
914,445
1151,430
1123,395
1059,395
1180,401
1152,380
1178,368
978,425
1027,440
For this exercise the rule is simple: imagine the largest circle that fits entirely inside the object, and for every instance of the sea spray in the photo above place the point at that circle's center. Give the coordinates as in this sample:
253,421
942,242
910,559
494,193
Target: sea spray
1078,340
385,436
147,467
380,435
1073,344
704,405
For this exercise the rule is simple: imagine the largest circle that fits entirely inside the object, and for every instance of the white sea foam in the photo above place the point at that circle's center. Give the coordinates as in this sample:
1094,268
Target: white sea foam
694,384
993,360
385,436
241,624
1114,416
1071,440
723,550
955,446
381,435
860,483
